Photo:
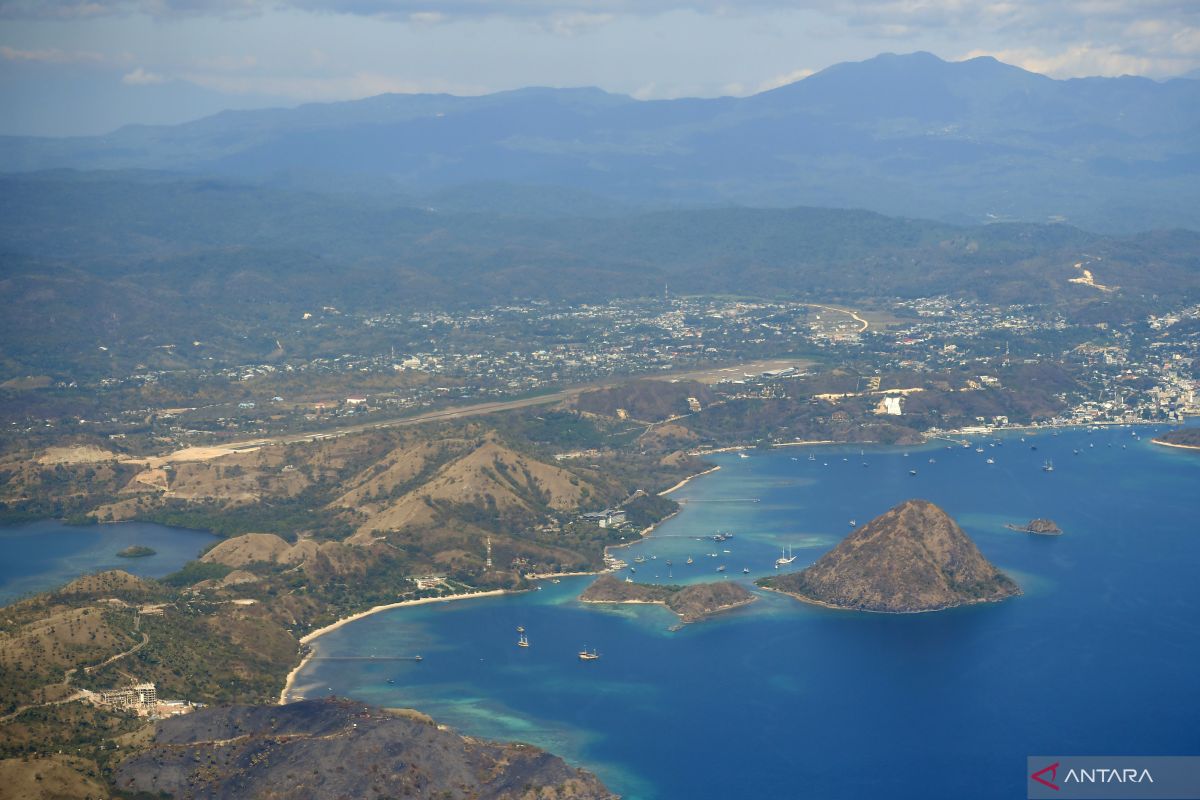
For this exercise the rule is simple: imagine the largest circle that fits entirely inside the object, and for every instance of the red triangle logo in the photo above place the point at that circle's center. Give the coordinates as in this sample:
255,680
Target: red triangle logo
1053,770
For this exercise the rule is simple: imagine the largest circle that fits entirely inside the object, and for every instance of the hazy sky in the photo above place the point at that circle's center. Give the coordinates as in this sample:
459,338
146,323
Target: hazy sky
90,66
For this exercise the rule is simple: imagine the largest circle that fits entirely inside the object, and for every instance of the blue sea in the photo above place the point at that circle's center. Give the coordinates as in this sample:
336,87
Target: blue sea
42,555
1100,655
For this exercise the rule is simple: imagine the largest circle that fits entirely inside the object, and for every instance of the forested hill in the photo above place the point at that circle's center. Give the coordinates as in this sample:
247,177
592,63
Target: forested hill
229,263
969,142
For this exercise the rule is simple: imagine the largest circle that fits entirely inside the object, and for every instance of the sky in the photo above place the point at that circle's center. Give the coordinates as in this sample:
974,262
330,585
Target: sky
84,67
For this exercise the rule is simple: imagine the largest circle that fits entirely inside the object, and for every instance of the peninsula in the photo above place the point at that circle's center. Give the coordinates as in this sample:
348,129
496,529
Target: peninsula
340,748
692,603
912,558
1187,438
1040,527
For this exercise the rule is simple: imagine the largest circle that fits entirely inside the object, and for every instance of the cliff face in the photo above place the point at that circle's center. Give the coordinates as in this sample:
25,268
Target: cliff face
691,603
339,748
912,558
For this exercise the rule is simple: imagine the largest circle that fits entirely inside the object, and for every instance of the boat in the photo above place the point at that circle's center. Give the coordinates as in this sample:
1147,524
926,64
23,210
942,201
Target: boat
391,680
853,523
721,568
745,570
812,456
633,570
555,580
991,461
742,455
912,472
520,629
628,580
639,559
523,641
586,655
689,560
1048,466
417,658
785,557
978,449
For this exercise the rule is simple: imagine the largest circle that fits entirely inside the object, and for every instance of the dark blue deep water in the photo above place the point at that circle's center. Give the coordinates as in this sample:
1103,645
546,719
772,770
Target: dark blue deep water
1101,655
42,555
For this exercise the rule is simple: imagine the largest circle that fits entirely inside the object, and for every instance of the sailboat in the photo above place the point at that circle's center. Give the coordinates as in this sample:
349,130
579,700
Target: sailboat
784,558
1048,466
523,641
586,655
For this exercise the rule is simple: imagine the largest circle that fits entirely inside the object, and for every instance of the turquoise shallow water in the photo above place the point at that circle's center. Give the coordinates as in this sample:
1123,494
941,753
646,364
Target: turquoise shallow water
42,555
782,699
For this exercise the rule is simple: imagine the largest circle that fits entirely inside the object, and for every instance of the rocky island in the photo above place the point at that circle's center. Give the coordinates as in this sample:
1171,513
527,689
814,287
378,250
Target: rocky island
339,748
912,558
692,603
1041,527
137,551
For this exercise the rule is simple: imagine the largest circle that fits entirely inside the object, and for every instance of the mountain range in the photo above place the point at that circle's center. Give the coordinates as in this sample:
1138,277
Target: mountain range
966,142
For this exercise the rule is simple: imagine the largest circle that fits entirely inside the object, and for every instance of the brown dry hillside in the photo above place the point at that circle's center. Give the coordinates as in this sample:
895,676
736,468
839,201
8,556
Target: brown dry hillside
911,558
54,776
397,472
252,548
490,475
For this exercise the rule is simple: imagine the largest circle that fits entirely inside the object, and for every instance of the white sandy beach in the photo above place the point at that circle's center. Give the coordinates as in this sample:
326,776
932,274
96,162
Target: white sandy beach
291,678
685,482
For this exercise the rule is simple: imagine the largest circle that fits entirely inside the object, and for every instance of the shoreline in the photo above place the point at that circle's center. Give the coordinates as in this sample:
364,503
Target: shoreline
1173,444
290,681
682,619
812,601
541,576
682,484
319,632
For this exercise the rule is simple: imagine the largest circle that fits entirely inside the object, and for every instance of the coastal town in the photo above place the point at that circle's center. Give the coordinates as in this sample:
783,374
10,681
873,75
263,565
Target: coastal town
425,361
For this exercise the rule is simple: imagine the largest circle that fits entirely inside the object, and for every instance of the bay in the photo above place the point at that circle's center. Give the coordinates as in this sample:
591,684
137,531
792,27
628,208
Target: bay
42,555
783,699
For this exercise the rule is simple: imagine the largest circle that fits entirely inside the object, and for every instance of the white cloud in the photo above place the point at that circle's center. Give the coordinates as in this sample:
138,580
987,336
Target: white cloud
1088,59
576,23
427,17
343,87
140,77
783,80
52,56
226,63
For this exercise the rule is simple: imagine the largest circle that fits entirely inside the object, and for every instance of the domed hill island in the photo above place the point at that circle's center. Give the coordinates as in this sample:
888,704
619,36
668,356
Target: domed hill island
912,558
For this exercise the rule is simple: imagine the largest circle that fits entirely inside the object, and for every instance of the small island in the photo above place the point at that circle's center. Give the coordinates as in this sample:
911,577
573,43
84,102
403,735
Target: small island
910,559
1039,527
1187,438
692,603
137,551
